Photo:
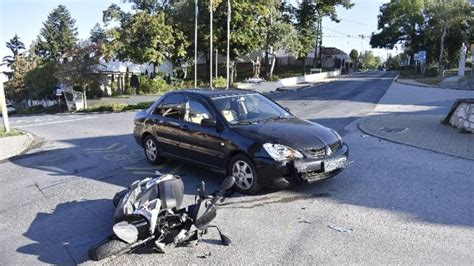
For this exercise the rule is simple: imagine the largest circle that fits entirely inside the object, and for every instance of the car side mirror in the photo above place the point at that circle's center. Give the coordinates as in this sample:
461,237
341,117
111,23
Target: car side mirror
287,109
208,122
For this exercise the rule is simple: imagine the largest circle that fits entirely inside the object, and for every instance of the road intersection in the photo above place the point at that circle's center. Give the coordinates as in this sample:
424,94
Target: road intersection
395,204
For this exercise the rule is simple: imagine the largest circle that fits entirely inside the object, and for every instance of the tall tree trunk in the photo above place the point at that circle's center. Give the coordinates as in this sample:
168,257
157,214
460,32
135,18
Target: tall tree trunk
303,66
441,50
272,67
233,70
472,60
267,63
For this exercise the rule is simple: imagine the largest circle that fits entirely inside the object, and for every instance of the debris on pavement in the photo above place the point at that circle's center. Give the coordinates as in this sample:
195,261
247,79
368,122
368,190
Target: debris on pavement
303,221
340,229
204,255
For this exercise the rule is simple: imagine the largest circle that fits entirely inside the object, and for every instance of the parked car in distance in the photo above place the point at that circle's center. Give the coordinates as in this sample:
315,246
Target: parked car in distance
10,109
239,133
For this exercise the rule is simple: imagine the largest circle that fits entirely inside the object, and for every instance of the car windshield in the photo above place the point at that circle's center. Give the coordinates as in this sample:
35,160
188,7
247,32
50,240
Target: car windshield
248,108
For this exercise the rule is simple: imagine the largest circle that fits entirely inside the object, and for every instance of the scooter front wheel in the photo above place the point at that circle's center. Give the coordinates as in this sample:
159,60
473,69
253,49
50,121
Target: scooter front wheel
109,248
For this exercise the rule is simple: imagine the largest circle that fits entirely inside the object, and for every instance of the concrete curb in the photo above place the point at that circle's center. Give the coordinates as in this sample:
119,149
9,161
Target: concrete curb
31,142
375,134
417,85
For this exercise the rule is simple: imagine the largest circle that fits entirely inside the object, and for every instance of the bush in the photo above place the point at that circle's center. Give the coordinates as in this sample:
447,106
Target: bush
432,71
35,109
153,86
220,82
117,107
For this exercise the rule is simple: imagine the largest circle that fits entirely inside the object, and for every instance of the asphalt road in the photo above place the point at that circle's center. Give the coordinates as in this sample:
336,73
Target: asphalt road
396,204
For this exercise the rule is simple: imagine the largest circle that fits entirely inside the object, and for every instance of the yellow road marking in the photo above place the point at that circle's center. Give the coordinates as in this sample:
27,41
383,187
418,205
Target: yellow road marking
101,149
109,150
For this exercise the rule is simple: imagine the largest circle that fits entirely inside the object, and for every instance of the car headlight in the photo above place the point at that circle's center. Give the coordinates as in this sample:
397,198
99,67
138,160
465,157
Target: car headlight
281,152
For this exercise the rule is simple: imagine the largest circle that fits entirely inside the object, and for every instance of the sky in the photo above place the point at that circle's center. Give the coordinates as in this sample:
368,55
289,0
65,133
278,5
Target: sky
25,18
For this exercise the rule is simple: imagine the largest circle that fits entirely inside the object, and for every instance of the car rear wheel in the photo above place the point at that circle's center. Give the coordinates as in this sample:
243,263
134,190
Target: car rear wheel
151,150
244,171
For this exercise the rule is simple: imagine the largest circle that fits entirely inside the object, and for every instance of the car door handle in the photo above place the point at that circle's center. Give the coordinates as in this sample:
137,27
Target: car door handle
184,127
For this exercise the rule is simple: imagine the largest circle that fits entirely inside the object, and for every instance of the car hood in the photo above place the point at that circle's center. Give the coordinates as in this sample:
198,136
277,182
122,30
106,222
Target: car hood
294,132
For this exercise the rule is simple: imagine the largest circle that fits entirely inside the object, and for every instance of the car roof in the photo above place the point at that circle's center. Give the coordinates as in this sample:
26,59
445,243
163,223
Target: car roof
215,93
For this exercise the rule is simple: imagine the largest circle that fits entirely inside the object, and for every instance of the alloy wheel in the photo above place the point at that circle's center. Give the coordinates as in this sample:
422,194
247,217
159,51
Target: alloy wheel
243,174
151,150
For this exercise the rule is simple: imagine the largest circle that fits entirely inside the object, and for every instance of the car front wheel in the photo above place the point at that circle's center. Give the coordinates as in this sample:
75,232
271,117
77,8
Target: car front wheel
244,171
151,150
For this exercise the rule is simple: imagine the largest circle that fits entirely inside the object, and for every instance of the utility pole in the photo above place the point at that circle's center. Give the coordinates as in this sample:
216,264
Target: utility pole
210,45
217,62
228,43
4,107
195,42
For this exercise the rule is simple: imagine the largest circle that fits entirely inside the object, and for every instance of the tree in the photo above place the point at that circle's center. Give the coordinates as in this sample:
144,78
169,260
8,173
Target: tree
354,55
15,88
247,29
15,46
308,14
97,34
369,61
143,36
280,36
400,21
82,71
58,35
41,82
448,19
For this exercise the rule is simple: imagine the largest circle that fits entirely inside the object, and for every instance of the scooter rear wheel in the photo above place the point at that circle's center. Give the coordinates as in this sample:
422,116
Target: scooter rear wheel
109,248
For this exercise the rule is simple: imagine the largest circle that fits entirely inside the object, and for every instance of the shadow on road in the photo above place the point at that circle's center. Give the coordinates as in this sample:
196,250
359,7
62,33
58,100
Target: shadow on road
64,236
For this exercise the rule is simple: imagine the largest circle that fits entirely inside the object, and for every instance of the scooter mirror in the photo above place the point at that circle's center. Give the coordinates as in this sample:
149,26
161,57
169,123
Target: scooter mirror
225,240
228,183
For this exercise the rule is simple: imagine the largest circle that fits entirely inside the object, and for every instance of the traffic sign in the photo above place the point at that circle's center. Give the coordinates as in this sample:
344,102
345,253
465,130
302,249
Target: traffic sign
422,56
59,92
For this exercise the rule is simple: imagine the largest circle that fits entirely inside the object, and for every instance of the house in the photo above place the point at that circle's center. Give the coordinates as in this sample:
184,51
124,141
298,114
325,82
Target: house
333,58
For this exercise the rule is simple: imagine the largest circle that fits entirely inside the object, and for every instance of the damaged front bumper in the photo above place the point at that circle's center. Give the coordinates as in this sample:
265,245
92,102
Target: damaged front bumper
306,170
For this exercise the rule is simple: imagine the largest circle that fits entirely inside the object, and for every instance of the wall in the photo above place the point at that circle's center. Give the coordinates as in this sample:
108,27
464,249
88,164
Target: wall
463,115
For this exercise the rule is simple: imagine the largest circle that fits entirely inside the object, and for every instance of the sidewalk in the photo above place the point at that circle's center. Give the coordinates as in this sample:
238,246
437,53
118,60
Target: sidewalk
12,146
412,115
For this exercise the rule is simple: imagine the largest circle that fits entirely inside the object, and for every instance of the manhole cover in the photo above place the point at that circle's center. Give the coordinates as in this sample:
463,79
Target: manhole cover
393,129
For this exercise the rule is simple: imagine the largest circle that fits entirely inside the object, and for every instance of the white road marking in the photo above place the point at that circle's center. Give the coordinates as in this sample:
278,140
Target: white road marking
58,122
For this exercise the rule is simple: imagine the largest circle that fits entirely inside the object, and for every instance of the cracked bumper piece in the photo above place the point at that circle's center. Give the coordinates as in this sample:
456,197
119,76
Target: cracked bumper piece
312,170
308,170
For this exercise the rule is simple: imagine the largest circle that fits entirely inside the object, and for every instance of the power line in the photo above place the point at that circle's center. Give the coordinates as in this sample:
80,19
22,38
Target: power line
356,22
359,36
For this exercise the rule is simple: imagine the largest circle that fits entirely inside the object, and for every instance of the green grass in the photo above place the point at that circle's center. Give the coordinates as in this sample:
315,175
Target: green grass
117,107
13,132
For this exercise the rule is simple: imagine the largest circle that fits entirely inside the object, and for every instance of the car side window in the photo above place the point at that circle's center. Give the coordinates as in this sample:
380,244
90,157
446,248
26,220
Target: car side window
196,111
172,106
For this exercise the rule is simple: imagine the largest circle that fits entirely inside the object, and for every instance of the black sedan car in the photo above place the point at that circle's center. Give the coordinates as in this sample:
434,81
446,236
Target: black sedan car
239,133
